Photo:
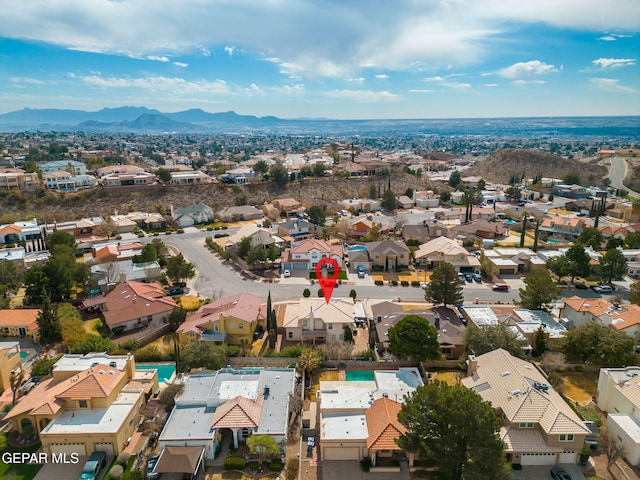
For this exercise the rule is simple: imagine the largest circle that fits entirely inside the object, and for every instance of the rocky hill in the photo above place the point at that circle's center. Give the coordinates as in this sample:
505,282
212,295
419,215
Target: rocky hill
47,206
508,162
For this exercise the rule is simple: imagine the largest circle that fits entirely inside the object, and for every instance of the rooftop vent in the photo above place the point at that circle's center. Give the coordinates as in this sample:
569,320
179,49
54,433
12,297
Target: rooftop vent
101,372
516,392
504,374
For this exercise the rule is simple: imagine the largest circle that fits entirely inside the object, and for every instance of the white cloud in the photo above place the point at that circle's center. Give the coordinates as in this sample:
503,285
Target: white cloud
230,50
158,58
205,52
526,70
444,82
611,85
180,64
71,75
355,80
614,62
160,83
253,90
382,76
612,37
27,81
422,90
365,96
490,85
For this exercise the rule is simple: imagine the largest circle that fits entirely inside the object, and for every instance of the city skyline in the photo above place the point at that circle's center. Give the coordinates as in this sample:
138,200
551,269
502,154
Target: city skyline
359,60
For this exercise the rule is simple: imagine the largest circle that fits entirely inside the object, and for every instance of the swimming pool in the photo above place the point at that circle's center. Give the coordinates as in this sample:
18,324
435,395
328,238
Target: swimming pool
357,248
23,355
359,375
165,370
553,240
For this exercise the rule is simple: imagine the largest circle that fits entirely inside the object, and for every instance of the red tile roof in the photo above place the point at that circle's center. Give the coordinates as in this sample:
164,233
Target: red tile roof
239,412
384,427
244,306
131,300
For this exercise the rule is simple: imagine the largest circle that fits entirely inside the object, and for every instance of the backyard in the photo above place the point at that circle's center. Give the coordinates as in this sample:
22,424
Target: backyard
17,471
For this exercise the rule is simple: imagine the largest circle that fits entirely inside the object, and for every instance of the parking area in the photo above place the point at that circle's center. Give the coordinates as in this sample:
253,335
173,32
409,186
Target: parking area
540,473
68,471
350,470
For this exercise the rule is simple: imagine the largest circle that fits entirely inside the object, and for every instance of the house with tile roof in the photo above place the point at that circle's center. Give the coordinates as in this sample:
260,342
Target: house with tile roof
308,253
577,311
388,254
230,320
315,320
359,419
20,322
194,214
568,228
295,231
91,402
231,404
619,397
132,305
538,426
443,249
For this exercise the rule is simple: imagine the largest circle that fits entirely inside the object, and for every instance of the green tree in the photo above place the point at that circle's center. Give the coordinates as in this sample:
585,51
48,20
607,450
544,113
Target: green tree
317,215
540,290
261,167
272,321
178,268
93,343
388,201
480,340
409,192
444,288
61,238
177,316
318,169
571,178
632,240
71,325
279,175
613,265
455,178
455,431
599,345
559,266
634,292
48,323
590,237
35,282
163,175
9,276
42,367
347,334
202,354
264,446
481,184
613,242
579,261
308,362
513,193
413,337
14,384
147,254
173,339
243,248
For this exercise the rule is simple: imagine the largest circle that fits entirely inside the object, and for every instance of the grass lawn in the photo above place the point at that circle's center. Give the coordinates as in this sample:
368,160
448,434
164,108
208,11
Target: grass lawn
17,471
91,326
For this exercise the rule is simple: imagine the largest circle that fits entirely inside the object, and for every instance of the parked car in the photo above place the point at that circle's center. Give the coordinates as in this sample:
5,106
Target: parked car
176,291
96,462
477,277
461,278
558,473
501,287
287,274
151,464
469,278
603,289
424,285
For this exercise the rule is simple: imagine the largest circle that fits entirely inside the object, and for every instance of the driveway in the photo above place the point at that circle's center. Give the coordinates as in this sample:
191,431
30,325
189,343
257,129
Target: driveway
539,473
67,471
350,470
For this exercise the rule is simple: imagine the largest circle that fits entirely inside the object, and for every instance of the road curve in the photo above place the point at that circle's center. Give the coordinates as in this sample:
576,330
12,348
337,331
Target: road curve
617,174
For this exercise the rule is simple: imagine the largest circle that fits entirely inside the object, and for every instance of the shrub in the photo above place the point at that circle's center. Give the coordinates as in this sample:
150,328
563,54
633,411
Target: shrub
42,367
404,283
394,283
579,368
365,355
292,351
234,463
116,472
415,283
292,468
379,283
320,293
365,464
516,466
131,344
306,293
123,458
117,330
275,465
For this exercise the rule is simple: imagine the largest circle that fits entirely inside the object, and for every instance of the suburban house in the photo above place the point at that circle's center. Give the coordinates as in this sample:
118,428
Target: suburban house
20,323
512,260
568,228
124,224
63,181
426,199
231,320
194,214
231,404
73,167
404,202
619,397
315,320
358,257
359,419
571,191
449,326
624,318
132,305
295,231
134,178
388,255
480,228
308,253
148,221
289,206
10,362
27,230
92,402
18,179
365,205
578,311
443,249
118,170
259,236
112,252
362,226
189,177
108,274
538,426
530,322
425,231
237,213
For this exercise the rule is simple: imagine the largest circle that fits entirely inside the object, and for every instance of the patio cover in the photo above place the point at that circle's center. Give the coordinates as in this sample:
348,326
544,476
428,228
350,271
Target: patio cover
174,459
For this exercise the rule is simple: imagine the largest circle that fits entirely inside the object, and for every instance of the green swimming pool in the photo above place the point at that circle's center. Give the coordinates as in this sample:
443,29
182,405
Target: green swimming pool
23,355
360,375
165,371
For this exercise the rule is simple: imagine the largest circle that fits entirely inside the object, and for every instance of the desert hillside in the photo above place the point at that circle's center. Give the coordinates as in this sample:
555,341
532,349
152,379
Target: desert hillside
508,162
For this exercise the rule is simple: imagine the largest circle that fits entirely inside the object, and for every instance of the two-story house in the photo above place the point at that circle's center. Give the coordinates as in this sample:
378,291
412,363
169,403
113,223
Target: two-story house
10,363
308,253
74,167
538,426
388,255
18,179
296,230
426,199
314,320
565,227
443,249
232,320
20,323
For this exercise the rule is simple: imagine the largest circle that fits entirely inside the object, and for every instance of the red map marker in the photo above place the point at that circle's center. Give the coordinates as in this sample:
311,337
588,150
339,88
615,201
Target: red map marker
327,283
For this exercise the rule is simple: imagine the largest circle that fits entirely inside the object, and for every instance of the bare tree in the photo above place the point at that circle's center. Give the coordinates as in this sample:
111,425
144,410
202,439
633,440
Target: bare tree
612,447
295,407
112,272
339,350
552,361
14,383
108,228
342,229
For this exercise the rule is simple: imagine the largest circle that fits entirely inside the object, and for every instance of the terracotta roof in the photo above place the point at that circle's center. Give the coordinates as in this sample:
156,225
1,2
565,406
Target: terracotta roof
239,412
96,382
325,247
130,300
11,228
20,317
595,306
244,306
627,318
108,251
383,425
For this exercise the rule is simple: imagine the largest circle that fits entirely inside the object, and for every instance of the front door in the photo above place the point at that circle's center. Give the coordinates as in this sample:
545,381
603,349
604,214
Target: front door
22,332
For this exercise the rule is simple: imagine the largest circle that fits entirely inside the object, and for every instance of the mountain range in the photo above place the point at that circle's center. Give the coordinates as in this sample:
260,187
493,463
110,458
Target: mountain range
197,121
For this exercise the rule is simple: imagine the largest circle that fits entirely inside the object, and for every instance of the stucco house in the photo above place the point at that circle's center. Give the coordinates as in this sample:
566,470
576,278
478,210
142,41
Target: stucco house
10,362
308,253
20,322
443,249
194,214
388,254
315,320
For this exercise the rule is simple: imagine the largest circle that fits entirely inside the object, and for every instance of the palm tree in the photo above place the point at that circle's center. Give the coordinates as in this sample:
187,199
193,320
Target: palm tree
308,362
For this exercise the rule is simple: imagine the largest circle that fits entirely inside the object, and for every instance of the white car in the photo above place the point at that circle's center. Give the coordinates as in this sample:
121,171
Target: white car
604,289
287,274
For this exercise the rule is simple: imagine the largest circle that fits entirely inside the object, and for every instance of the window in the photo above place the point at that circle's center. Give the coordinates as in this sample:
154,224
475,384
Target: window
290,335
330,327
230,325
526,425
139,321
82,403
566,437
241,326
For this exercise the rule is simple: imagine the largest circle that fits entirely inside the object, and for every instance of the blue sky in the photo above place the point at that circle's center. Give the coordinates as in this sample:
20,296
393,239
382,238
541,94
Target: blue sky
343,59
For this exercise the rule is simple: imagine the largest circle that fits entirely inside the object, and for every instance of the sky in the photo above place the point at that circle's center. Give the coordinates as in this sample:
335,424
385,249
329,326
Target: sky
339,59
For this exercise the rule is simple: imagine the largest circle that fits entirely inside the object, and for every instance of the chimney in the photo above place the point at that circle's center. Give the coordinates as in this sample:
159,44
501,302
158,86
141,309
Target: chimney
311,320
472,365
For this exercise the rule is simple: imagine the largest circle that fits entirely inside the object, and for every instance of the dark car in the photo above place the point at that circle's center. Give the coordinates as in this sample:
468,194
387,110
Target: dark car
151,464
477,277
176,291
96,462
501,287
558,473
469,278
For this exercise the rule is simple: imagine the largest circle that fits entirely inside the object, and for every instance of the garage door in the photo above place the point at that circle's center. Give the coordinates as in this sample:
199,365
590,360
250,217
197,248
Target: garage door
506,271
342,453
567,457
68,448
538,459
105,447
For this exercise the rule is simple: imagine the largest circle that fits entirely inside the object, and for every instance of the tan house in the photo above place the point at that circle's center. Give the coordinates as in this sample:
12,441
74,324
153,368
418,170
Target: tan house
9,363
308,253
229,320
581,311
18,179
313,319
538,426
388,254
565,227
443,249
92,402
20,323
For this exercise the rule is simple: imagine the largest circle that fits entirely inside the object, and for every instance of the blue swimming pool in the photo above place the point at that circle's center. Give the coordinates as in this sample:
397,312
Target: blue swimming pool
165,370
553,240
359,375
23,355
357,248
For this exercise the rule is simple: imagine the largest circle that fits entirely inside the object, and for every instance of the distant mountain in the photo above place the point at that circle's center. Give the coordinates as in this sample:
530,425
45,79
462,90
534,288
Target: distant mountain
146,123
199,116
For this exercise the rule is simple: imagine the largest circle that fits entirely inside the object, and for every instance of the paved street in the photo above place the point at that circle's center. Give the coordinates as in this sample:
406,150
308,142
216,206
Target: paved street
617,174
